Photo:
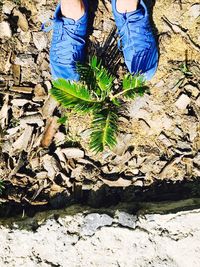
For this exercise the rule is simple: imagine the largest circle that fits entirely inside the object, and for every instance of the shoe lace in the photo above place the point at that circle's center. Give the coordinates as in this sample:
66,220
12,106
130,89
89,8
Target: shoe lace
68,47
137,36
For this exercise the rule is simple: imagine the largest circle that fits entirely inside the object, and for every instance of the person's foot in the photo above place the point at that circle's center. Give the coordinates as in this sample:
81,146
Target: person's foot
68,41
136,38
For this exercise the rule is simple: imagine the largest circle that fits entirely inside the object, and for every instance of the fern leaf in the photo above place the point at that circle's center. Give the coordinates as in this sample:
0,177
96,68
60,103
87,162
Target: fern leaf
74,95
133,86
104,130
96,77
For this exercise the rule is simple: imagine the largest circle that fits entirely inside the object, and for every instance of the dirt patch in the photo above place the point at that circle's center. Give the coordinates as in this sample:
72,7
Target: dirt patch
159,137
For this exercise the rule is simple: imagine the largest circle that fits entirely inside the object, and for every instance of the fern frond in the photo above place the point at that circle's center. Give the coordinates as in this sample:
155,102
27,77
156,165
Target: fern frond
133,86
104,130
74,95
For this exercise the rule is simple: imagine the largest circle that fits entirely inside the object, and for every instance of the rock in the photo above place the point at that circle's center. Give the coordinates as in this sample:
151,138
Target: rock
95,221
126,220
194,11
182,102
5,30
169,240
22,21
40,40
73,152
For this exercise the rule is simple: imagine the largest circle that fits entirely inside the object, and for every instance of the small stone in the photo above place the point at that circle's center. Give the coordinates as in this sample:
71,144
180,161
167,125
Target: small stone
5,30
73,153
40,40
126,219
194,11
22,21
182,102
94,221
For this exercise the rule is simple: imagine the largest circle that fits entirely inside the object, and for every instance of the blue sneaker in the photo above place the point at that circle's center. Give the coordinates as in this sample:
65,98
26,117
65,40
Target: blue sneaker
68,44
136,38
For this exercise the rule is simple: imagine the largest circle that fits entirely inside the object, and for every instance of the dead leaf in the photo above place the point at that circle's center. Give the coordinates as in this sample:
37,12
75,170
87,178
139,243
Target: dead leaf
49,132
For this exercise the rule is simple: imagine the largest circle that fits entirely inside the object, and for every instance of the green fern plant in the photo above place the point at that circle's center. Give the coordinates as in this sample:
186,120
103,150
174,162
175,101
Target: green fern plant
94,93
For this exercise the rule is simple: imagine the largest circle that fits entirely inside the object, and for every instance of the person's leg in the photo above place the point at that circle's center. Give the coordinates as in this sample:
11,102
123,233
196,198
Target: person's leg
73,9
124,6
